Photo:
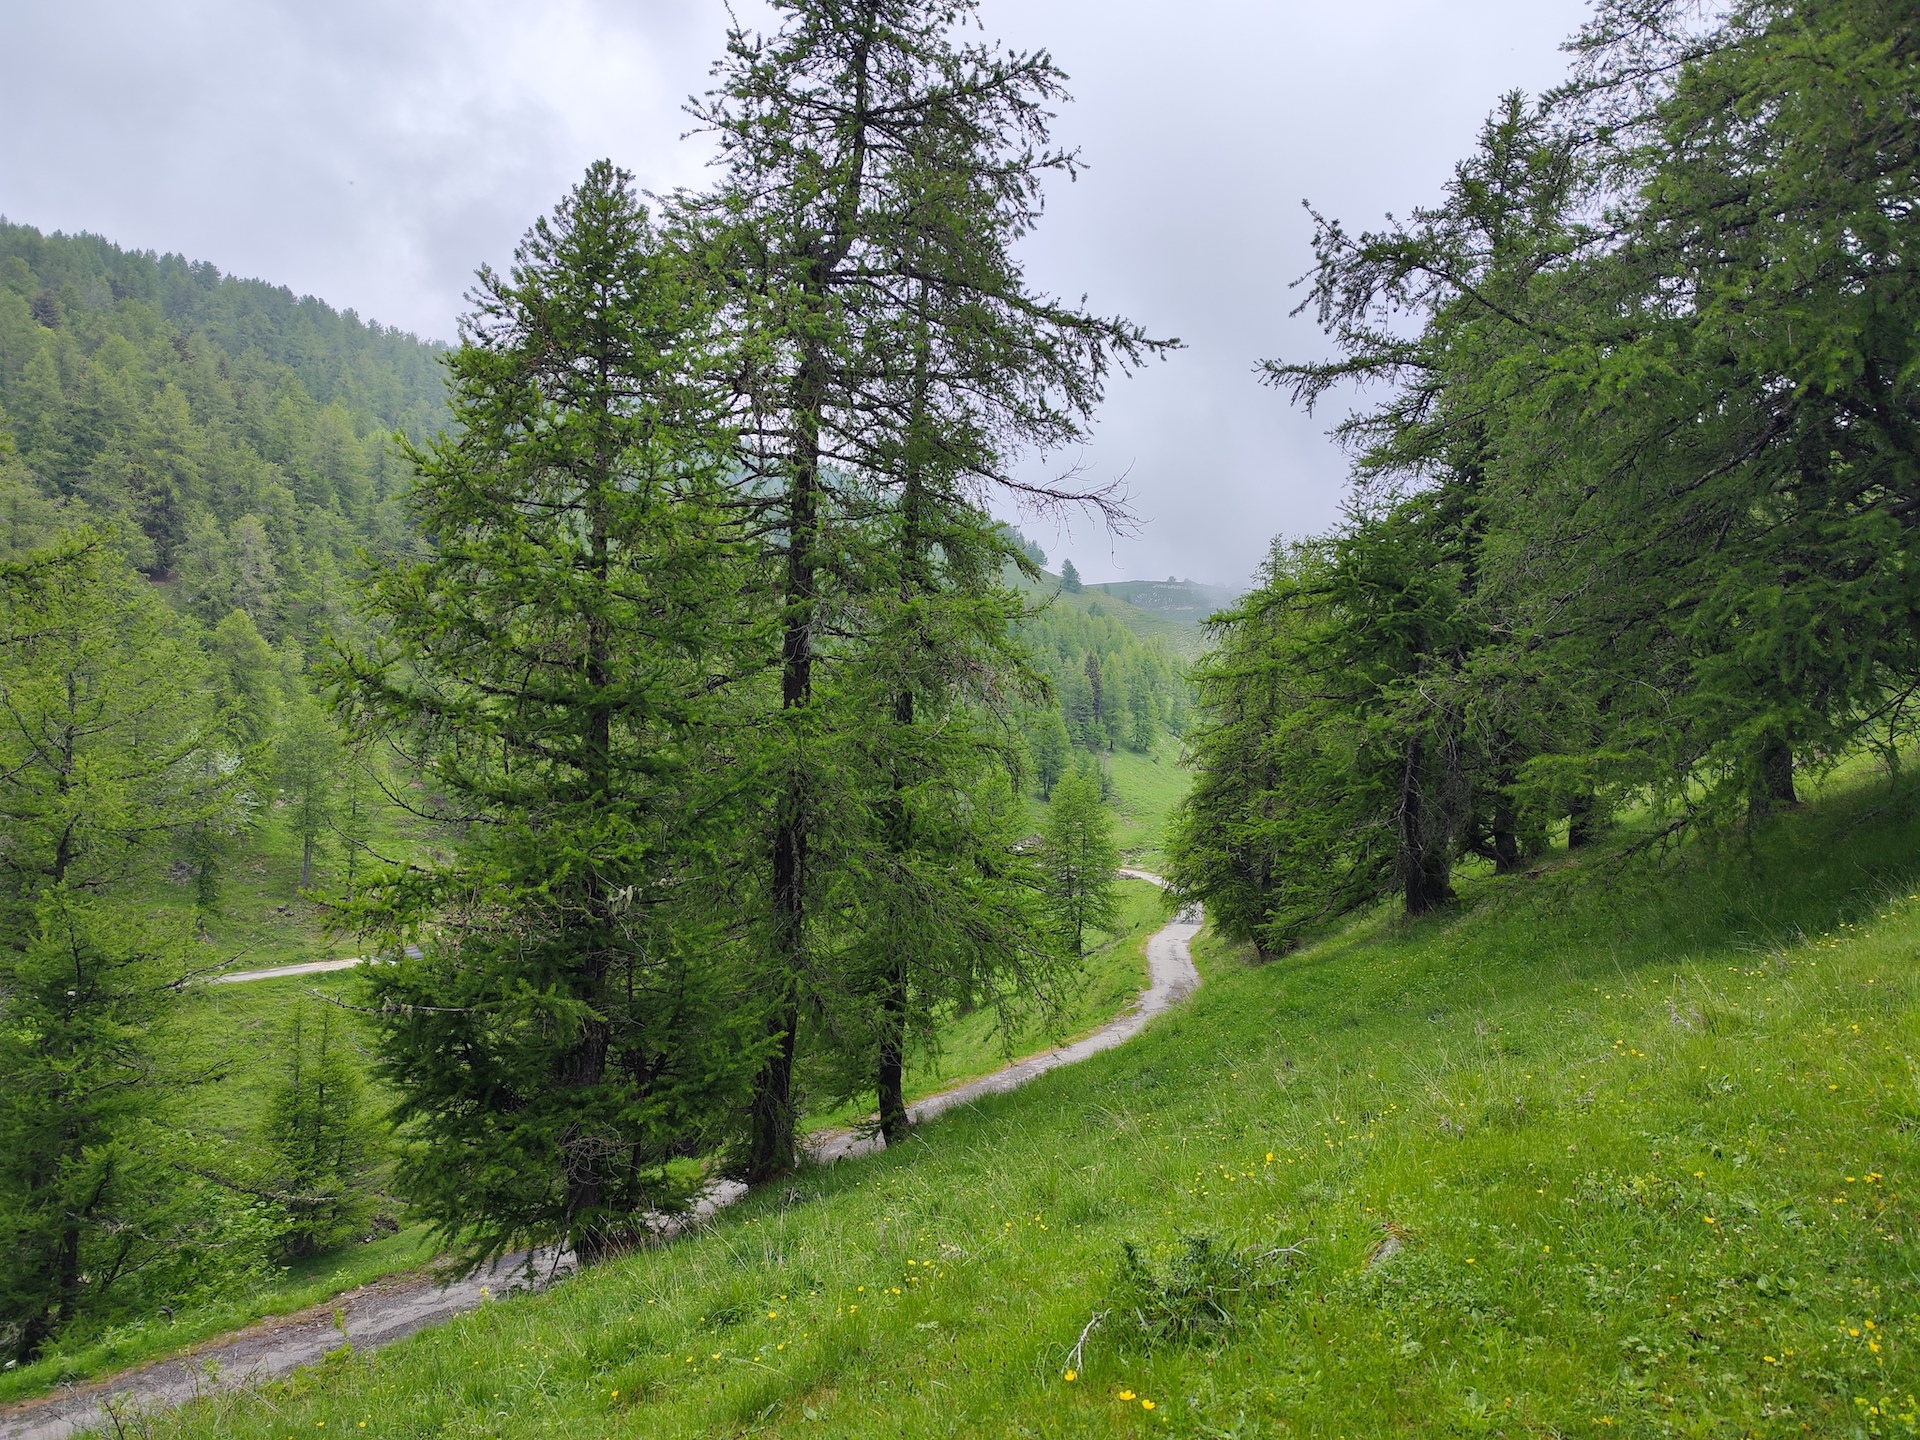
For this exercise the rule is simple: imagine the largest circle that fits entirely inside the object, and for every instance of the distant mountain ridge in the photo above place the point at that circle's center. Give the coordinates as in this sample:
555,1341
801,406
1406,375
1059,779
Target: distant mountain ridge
1186,600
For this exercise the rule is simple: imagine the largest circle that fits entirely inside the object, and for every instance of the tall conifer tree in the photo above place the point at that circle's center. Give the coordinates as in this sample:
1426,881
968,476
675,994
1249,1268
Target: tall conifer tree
558,669
105,757
876,173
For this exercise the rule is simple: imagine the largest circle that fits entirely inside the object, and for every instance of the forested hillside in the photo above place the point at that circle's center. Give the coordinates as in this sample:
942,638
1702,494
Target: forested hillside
652,706
190,469
1109,687
233,441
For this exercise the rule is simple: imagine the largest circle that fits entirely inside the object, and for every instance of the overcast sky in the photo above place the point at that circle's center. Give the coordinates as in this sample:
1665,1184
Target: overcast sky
375,152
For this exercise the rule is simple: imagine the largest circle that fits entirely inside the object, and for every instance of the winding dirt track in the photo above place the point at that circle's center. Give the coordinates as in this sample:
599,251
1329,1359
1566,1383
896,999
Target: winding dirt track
392,1309
1171,977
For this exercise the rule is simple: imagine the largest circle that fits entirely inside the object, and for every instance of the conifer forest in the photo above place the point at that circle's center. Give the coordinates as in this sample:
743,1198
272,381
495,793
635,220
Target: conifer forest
653,708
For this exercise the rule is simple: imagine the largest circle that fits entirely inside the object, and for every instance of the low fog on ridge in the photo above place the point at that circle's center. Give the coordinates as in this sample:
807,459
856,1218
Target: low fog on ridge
374,155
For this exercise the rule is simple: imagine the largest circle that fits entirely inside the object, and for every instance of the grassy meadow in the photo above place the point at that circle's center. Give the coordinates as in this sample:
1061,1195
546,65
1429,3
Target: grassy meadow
1146,788
232,1035
975,1044
264,919
1619,1147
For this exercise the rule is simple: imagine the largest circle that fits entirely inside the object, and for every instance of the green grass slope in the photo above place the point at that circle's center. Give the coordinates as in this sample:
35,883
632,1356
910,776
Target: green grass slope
1614,1149
972,1045
1146,789
1183,636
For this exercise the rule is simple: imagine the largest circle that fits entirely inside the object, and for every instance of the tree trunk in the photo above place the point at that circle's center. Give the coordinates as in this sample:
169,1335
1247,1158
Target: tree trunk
771,1143
69,1289
770,1140
1507,855
306,862
589,1158
1425,866
1773,783
582,1069
893,1015
1583,821
1429,883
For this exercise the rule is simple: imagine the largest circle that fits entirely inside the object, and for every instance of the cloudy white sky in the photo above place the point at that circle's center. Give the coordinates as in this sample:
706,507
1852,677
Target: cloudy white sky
374,152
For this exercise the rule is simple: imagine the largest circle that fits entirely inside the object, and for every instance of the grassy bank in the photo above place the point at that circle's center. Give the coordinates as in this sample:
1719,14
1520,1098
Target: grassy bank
974,1045
233,1035
306,1282
1610,1149
1146,789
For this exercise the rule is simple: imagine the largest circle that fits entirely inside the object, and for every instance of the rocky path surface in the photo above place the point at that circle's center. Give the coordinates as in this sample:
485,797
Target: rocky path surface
1171,977
392,1309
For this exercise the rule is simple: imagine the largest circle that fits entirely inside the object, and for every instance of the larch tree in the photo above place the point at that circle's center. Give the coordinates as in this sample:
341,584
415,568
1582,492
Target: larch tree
1080,857
1634,522
560,671
106,755
308,762
320,1135
876,173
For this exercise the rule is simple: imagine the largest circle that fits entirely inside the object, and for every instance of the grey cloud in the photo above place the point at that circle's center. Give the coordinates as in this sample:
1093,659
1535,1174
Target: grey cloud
376,153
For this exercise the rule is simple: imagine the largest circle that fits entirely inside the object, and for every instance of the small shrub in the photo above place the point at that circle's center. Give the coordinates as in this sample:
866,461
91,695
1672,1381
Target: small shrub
1202,1292
322,1139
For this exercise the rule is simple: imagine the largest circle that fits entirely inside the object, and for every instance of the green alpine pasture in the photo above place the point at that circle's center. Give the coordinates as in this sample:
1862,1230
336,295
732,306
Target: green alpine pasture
1146,790
235,1030
1618,1146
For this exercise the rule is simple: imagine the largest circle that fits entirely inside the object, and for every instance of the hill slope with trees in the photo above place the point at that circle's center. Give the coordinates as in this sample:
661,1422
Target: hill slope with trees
233,441
1628,1148
1634,525
649,698
190,468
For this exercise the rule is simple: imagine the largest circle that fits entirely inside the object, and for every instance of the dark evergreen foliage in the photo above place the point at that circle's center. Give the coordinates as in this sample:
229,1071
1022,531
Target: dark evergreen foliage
1110,690
569,669
1634,524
